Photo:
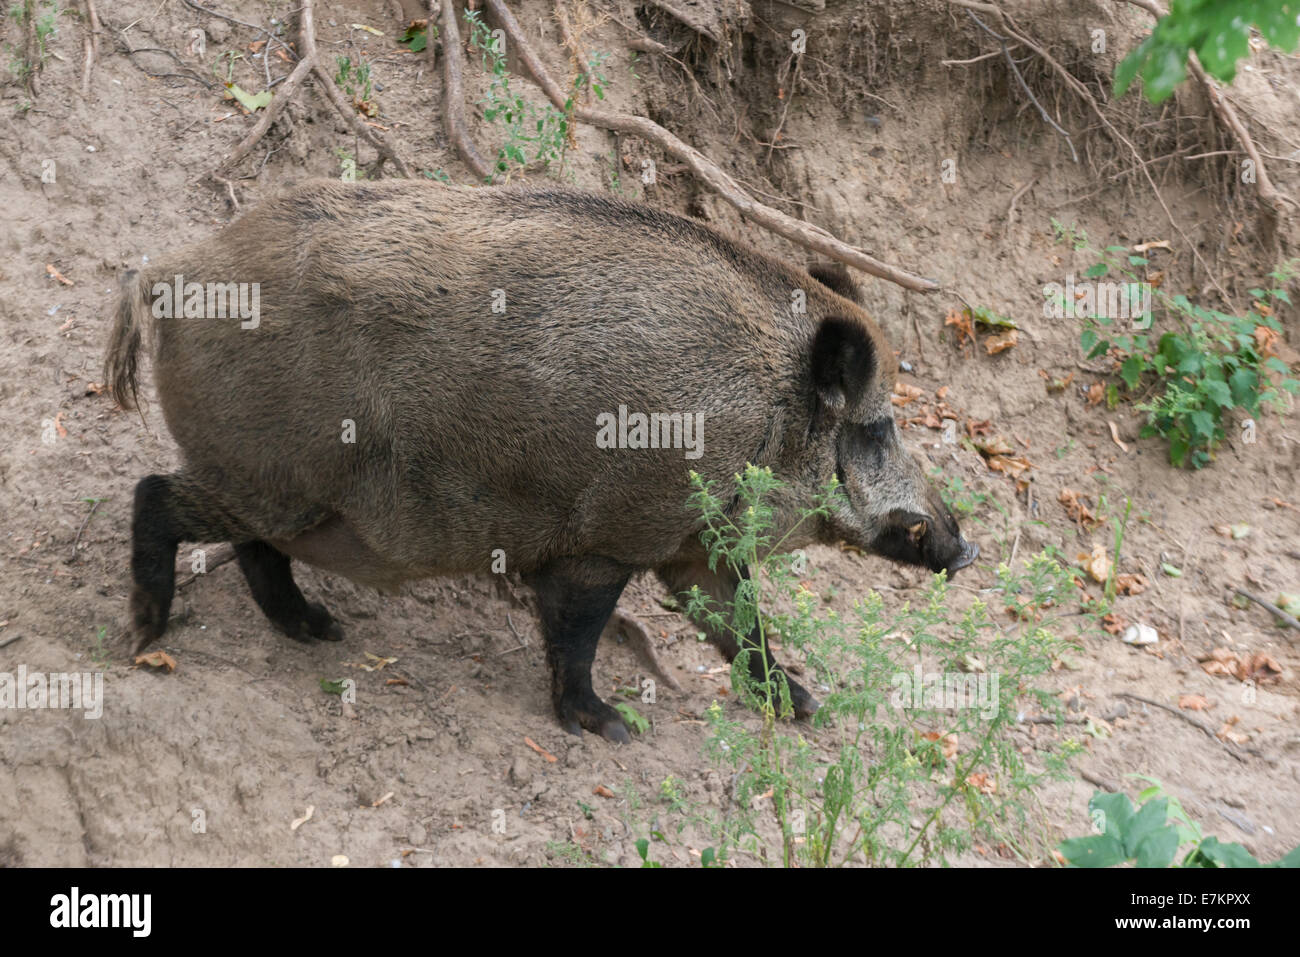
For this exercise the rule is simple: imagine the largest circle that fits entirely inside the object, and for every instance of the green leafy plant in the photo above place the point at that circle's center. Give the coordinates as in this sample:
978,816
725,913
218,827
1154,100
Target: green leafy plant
1194,373
532,135
1151,836
416,38
1217,30
98,653
632,718
913,775
356,81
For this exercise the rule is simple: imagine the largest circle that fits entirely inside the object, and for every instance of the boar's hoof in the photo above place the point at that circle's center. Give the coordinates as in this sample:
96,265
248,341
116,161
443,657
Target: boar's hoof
148,617
316,622
597,717
804,704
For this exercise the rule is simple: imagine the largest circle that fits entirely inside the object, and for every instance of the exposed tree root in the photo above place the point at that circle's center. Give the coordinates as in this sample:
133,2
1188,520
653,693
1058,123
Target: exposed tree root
453,112
91,42
345,109
803,233
306,28
1072,82
642,642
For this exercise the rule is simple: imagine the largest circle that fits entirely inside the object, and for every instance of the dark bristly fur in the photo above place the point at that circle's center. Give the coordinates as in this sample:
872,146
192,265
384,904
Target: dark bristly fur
476,430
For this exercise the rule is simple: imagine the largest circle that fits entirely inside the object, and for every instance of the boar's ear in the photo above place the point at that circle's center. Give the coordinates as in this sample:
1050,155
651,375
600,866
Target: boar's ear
836,278
843,361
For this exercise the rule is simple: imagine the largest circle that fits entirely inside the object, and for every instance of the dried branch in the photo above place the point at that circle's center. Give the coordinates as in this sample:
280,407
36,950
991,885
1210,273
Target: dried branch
797,231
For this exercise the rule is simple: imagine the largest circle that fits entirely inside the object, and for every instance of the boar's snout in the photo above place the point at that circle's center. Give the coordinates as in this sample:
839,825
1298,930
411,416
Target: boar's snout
932,540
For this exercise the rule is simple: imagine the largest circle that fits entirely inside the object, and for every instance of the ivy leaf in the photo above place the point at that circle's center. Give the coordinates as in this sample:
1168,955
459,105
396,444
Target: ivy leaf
1099,850
1131,372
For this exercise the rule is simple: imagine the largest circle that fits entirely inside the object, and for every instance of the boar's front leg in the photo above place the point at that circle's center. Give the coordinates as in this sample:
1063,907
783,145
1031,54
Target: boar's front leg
721,586
576,598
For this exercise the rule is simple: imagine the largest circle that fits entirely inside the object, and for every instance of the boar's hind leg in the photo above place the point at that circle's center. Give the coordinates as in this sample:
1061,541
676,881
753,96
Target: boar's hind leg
274,590
168,510
574,611
721,587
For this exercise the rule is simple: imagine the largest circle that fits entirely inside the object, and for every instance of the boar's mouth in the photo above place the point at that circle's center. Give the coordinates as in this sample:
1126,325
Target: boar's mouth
969,552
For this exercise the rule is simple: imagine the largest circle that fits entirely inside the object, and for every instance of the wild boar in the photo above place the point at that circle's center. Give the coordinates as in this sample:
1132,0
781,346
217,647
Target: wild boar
403,380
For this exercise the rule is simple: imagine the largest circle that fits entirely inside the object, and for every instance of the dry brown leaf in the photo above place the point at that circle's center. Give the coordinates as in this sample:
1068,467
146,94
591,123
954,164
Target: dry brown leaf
1193,702
1097,564
49,268
1056,385
949,742
1226,733
963,323
602,791
1001,342
1114,624
983,783
974,428
1266,341
1130,584
1079,512
1096,392
904,393
157,659
1012,465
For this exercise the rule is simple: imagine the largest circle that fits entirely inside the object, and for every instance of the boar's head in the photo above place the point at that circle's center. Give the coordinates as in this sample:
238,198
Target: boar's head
889,508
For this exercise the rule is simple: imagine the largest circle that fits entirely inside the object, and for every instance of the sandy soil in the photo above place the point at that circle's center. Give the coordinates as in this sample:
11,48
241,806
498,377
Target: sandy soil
241,733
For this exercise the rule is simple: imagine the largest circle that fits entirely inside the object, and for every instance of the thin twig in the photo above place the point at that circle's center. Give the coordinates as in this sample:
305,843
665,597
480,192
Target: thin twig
1289,619
1194,722
77,541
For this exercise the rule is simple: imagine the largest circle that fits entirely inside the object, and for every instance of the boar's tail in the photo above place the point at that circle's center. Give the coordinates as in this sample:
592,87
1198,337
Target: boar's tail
122,358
